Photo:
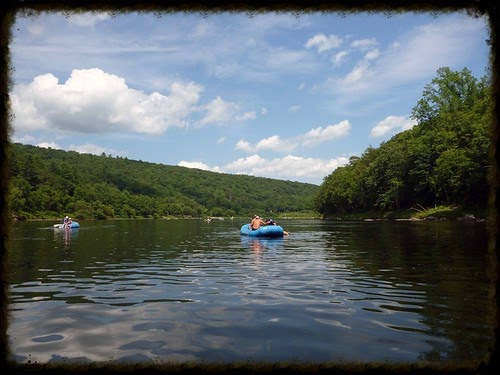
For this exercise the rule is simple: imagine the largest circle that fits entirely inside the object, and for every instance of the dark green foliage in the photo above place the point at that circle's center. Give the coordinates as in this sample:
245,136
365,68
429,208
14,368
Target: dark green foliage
48,183
441,161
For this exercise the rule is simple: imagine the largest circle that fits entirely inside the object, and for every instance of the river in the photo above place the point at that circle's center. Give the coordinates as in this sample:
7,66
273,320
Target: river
189,290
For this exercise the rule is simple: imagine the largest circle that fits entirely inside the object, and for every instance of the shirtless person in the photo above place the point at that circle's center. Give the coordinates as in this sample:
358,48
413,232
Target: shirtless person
256,223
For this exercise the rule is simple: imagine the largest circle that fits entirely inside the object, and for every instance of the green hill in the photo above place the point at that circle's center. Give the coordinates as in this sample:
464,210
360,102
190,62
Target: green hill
49,183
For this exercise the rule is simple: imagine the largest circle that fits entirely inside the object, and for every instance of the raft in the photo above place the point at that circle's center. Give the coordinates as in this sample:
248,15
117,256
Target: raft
73,225
263,231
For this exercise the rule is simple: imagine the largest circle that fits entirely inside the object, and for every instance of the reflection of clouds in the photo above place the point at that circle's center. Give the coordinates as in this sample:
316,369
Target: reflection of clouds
93,332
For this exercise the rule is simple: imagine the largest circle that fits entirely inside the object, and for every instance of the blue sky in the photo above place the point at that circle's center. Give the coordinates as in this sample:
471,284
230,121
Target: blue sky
280,95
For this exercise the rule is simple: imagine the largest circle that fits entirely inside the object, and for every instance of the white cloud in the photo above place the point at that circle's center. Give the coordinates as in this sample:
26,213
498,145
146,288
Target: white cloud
294,108
198,165
52,145
243,146
324,43
87,19
246,116
392,125
407,60
95,150
312,137
320,135
289,167
93,101
218,111
273,143
364,43
82,149
372,54
339,57
360,72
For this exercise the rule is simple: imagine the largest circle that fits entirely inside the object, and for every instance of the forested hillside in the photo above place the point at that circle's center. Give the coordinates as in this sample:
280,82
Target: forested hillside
48,183
441,161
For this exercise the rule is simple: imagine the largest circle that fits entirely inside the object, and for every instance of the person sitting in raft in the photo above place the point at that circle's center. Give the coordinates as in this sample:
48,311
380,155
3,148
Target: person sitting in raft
256,223
69,222
272,222
65,220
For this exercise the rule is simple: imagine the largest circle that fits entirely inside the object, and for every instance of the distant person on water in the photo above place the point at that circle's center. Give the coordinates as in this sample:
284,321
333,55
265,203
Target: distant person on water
65,220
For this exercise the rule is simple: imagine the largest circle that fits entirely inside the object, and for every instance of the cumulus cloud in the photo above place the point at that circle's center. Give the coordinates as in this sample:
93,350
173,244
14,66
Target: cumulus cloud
243,146
95,150
82,149
320,135
312,137
218,111
273,143
392,125
93,101
290,167
52,145
324,43
198,165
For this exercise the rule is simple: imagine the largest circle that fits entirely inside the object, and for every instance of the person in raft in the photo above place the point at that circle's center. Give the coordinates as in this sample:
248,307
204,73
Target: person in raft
65,220
257,222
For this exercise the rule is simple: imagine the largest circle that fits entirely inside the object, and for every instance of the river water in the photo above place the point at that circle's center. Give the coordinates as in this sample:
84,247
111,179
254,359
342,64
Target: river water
190,290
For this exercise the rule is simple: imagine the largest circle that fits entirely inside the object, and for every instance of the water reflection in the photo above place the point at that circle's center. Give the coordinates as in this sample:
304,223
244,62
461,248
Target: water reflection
259,245
65,236
189,290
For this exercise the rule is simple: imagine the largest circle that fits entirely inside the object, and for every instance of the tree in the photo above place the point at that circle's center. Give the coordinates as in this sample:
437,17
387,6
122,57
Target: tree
443,159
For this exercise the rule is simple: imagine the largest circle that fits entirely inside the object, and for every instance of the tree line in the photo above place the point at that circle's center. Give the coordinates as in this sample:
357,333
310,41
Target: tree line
443,160
48,183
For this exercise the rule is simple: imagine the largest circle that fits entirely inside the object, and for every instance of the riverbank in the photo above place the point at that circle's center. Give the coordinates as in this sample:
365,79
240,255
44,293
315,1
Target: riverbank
415,213
420,213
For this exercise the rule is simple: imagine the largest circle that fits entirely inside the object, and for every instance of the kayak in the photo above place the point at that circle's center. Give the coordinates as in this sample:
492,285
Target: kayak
263,231
73,225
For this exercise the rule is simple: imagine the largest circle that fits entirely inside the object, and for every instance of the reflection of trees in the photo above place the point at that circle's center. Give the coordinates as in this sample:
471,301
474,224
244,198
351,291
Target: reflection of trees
444,261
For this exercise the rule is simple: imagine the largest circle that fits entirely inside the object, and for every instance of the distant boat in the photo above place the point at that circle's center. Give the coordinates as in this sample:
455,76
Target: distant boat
73,225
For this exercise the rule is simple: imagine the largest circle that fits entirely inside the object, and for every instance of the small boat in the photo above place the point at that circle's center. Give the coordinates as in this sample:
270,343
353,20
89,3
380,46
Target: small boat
263,231
73,225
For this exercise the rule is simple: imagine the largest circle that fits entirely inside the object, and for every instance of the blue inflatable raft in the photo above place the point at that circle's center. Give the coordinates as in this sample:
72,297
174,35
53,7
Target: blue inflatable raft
263,231
73,225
